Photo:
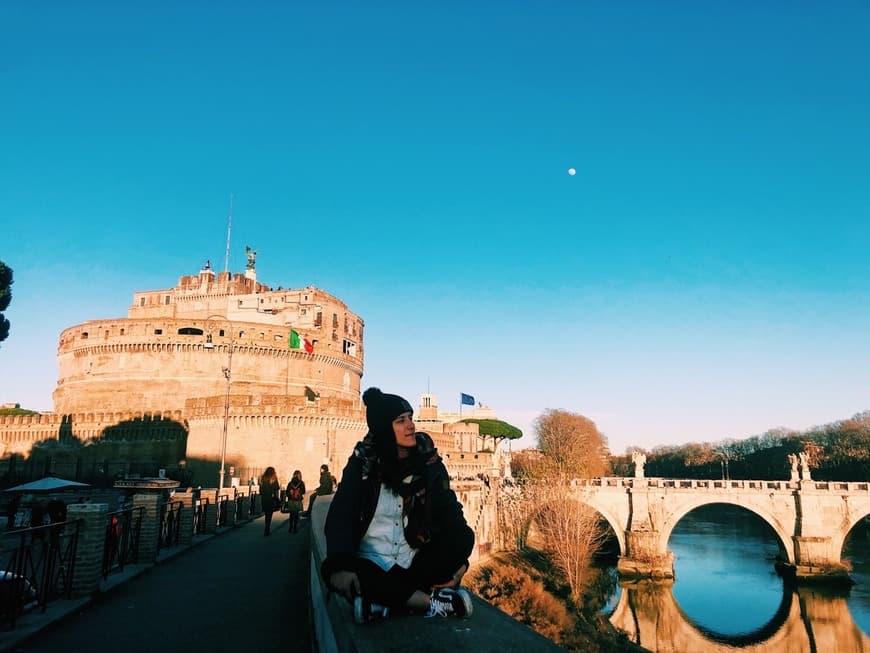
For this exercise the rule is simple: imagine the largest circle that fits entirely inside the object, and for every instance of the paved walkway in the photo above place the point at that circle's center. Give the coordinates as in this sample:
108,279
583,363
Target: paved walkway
238,591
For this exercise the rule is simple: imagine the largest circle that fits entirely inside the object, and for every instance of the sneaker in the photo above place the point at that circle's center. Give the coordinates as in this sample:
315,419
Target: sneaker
364,611
447,601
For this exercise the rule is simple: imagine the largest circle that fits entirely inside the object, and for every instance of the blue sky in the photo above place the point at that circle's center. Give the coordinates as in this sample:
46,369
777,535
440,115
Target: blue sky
703,276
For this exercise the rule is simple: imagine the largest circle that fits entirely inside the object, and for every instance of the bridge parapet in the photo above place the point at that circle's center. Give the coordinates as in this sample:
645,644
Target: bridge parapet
810,518
716,484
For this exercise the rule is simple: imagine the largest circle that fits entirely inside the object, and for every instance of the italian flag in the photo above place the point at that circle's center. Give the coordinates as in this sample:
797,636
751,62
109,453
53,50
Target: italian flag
298,342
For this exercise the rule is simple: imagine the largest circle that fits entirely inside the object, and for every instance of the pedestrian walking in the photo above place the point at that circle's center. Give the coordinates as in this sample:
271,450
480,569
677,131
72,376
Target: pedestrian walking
294,495
269,489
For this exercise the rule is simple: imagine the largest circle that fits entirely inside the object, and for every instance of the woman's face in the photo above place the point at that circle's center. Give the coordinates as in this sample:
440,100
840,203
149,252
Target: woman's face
403,427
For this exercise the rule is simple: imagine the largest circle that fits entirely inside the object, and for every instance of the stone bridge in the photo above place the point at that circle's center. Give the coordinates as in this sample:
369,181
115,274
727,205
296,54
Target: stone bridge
811,519
806,621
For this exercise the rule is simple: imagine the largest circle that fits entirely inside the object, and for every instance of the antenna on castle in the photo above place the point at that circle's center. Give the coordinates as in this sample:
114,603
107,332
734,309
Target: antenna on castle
229,229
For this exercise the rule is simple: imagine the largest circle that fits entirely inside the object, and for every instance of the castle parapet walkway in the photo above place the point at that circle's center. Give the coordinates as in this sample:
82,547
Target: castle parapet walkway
811,519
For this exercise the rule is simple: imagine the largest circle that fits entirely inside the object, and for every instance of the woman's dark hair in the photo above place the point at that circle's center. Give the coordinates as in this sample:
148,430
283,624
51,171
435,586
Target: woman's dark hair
269,475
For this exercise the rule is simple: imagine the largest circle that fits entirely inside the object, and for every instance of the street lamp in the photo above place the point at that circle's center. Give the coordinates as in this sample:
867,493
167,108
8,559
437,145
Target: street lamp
227,372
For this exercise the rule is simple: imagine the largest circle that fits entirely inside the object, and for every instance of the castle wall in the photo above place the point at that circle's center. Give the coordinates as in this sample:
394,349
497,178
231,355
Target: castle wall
175,344
264,431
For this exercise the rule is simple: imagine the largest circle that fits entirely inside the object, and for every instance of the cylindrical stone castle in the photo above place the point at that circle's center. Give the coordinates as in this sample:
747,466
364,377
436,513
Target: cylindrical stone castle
281,366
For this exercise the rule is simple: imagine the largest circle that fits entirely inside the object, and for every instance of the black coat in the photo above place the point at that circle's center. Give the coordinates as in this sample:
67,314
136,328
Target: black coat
269,494
354,504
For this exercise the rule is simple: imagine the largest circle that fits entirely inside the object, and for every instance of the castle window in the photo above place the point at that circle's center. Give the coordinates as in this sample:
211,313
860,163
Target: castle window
318,319
189,331
348,347
84,335
158,332
123,331
141,301
334,320
166,300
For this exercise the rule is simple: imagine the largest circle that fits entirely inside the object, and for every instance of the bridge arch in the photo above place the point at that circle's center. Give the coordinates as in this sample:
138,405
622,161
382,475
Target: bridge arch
530,532
690,503
616,525
840,538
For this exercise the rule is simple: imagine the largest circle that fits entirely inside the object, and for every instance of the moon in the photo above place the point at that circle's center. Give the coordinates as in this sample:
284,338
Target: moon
572,172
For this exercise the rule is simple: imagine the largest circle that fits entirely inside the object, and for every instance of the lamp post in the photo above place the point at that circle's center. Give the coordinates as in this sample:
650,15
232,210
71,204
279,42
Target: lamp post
227,372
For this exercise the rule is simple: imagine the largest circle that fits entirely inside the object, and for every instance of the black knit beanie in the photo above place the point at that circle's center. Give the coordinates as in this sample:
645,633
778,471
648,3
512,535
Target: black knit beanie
381,410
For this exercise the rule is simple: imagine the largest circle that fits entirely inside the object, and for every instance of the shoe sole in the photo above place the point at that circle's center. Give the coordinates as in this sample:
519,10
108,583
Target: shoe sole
466,602
359,615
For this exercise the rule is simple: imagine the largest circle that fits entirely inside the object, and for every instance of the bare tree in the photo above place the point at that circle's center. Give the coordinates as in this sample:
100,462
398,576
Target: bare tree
514,509
571,531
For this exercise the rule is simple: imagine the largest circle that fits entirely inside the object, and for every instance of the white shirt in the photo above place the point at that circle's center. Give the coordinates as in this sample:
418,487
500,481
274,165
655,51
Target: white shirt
384,542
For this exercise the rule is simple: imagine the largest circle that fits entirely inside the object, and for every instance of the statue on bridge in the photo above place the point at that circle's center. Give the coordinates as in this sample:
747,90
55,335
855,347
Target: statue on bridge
793,460
804,466
639,460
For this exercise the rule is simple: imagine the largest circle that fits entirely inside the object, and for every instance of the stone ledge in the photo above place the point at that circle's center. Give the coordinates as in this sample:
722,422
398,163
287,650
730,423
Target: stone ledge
489,629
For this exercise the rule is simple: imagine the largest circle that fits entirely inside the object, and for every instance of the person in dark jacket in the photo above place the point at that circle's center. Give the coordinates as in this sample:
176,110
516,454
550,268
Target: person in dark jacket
396,536
269,489
326,487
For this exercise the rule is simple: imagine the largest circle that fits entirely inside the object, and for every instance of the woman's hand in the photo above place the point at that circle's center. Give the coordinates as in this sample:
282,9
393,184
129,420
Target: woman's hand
454,580
345,583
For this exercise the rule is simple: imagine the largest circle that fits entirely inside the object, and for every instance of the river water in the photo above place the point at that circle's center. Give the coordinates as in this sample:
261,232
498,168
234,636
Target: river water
728,596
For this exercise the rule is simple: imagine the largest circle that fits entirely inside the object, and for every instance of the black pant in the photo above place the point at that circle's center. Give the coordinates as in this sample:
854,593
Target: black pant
268,517
294,521
434,564
312,498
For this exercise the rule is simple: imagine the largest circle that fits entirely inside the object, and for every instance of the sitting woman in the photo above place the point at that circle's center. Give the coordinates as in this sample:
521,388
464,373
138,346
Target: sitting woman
395,533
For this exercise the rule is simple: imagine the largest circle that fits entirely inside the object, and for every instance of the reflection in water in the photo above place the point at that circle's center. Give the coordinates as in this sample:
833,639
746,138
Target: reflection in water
724,558
857,552
807,620
727,595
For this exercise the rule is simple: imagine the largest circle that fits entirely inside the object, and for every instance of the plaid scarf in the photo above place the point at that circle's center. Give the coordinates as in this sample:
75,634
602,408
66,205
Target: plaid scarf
412,488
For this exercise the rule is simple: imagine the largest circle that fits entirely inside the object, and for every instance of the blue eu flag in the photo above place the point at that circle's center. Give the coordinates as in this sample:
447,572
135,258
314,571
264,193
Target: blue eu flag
468,400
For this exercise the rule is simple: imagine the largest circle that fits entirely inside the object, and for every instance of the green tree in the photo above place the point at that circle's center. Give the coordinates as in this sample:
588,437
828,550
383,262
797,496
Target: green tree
5,298
495,429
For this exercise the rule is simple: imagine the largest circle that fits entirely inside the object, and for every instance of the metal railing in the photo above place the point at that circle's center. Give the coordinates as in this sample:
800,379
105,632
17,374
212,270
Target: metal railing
200,509
170,520
36,566
239,513
223,503
123,528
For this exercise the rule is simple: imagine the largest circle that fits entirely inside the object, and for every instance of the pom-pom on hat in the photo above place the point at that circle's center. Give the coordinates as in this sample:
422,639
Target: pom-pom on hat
382,409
